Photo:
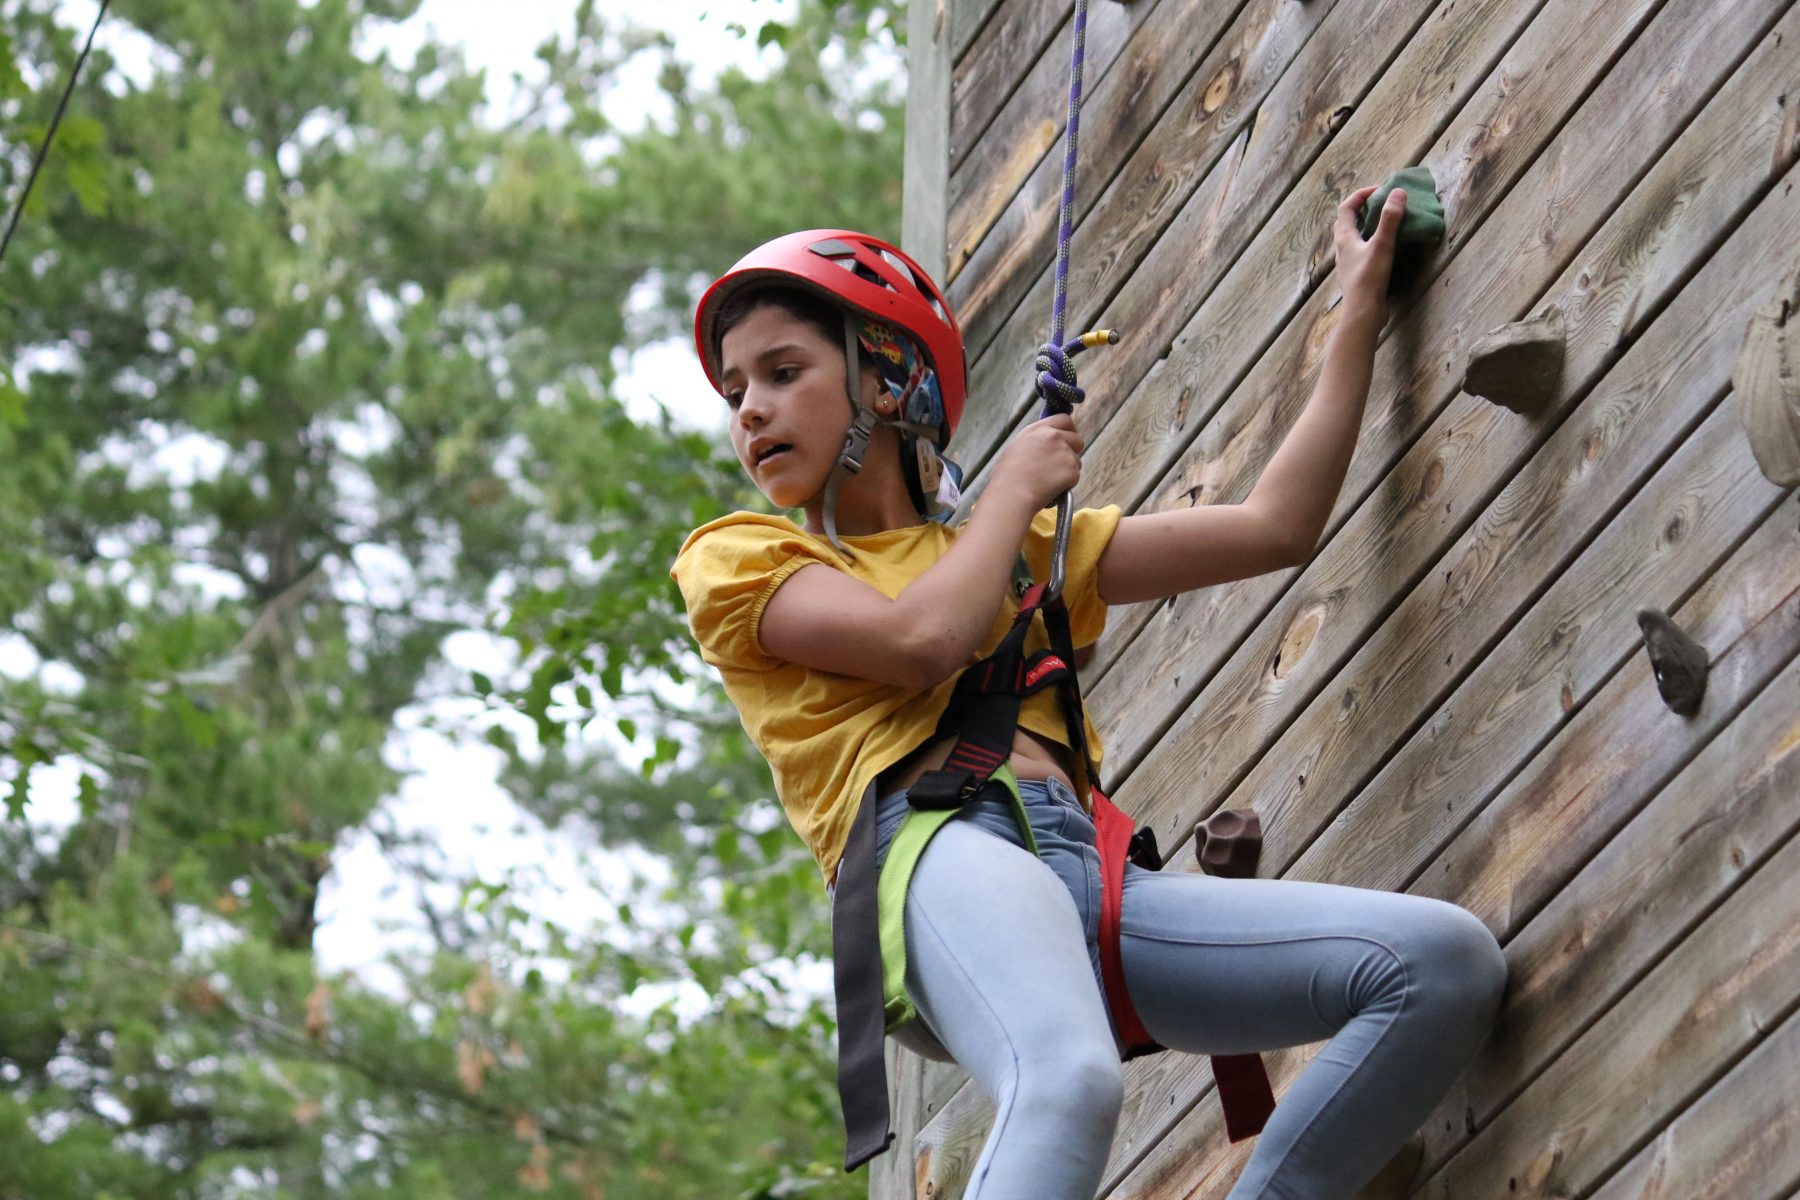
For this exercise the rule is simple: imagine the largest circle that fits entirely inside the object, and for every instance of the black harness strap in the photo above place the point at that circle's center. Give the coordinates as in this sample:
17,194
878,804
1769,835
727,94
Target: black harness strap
856,976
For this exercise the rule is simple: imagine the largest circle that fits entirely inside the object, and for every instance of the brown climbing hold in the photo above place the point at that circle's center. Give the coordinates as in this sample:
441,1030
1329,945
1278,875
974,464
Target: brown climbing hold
1519,365
1767,382
1229,843
1679,661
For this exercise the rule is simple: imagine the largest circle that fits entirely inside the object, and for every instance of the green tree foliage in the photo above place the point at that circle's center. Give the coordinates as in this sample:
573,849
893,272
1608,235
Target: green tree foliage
308,361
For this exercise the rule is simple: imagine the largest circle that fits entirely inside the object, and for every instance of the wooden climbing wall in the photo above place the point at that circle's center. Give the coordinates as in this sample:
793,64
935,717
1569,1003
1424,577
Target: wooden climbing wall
1451,697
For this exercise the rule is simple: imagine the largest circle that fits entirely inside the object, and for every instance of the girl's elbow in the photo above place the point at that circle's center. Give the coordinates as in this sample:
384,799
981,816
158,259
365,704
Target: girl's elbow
926,660
1299,553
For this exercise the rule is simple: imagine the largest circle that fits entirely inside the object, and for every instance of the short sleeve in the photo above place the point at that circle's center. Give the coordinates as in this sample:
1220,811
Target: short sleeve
727,571
1090,532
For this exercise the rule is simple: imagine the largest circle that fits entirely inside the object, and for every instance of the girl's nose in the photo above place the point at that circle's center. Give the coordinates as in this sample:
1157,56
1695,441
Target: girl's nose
752,408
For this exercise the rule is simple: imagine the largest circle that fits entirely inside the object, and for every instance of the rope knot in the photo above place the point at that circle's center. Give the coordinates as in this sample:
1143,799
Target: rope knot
1056,379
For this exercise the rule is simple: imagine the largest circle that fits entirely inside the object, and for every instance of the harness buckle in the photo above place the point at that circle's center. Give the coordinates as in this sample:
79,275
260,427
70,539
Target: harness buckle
1143,850
946,787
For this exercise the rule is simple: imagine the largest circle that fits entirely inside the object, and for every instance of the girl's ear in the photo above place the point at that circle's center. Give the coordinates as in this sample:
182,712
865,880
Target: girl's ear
875,392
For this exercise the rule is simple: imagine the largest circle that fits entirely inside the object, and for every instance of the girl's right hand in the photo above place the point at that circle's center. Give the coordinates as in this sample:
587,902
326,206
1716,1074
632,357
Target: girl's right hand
1364,267
1041,463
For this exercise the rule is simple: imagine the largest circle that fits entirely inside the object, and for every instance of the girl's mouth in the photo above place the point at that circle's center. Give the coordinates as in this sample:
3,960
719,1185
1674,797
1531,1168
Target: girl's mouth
772,452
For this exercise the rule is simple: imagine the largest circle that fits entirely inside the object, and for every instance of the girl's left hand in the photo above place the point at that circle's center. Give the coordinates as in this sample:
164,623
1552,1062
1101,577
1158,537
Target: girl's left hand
1365,267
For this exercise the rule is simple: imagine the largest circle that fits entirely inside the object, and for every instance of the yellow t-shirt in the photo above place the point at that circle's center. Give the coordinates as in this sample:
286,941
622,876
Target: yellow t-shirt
826,736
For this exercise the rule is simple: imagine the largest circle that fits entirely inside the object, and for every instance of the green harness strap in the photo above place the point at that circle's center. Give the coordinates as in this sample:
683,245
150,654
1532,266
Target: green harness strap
915,832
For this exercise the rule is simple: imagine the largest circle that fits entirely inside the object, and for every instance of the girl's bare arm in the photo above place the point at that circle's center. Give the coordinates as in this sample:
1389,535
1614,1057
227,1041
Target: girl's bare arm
1278,524
830,621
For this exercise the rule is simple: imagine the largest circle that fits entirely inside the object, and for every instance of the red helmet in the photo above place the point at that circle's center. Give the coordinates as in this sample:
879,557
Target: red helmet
861,272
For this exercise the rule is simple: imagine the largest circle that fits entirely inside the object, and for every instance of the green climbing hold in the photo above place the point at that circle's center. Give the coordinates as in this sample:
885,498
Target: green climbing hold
1423,223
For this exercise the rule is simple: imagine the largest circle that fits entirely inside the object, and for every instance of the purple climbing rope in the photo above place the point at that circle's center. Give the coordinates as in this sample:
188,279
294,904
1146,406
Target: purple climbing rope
1056,384
1066,223
1056,374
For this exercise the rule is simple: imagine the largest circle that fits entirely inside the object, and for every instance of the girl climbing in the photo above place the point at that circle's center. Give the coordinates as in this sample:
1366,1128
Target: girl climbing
842,640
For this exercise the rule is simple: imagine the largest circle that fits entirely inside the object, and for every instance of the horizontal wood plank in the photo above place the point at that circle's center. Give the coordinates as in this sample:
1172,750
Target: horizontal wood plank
1645,246
1006,52
1740,1141
1707,1004
1647,887
1598,772
1187,86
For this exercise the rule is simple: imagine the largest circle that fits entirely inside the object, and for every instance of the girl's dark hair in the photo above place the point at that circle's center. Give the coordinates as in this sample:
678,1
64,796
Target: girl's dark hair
798,303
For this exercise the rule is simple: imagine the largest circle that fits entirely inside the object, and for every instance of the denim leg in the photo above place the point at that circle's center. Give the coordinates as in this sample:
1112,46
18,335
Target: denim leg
1404,987
1000,969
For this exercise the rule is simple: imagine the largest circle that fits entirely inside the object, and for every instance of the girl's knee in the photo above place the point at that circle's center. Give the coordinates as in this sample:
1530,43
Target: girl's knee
1087,1085
1455,958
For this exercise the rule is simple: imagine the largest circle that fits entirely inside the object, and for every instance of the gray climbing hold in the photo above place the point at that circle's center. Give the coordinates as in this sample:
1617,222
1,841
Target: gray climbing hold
1520,365
1767,382
1679,661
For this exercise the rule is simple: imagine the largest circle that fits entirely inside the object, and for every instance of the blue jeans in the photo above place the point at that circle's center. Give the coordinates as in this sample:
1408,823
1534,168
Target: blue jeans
1004,967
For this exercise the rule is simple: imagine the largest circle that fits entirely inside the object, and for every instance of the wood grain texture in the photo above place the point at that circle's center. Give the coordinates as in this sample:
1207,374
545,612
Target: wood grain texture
967,18
1185,86
1576,640
1601,453
927,116
890,1174
1272,265
1650,236
1597,457
1622,159
1672,535
1574,795
946,1149
1598,772
1188,205
1676,861
1690,1019
1008,49
1740,1141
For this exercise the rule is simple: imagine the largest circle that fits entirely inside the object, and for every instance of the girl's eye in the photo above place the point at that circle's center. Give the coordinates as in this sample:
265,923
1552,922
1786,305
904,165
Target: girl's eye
786,374
734,398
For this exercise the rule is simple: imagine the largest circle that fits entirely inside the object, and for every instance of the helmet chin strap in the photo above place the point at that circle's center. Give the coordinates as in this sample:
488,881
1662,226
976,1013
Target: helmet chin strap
863,418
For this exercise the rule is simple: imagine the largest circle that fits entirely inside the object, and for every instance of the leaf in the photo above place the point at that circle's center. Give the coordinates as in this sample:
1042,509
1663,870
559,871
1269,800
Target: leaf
12,401
318,1003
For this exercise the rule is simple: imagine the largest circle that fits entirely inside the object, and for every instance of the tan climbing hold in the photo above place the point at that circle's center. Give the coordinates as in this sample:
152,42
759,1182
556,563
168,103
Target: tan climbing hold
1767,382
1520,365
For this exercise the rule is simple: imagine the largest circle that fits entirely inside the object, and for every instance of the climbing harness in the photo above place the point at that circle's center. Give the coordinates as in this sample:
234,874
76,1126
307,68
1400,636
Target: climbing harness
868,911
43,152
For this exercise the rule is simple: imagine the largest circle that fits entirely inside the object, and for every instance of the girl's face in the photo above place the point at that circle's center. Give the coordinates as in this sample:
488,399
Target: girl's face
784,383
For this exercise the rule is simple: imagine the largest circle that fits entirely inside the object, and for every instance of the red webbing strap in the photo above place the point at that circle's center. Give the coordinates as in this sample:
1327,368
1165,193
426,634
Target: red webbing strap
1243,1082
1112,838
1244,1093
